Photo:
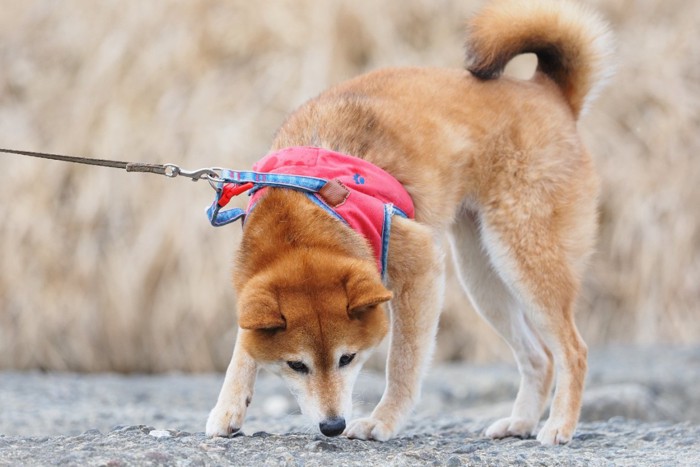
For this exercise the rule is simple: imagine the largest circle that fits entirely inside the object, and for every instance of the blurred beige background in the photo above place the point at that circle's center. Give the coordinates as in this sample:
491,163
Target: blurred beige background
104,270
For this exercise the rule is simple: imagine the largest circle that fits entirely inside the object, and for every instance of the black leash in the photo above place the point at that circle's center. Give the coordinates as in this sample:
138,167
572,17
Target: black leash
169,170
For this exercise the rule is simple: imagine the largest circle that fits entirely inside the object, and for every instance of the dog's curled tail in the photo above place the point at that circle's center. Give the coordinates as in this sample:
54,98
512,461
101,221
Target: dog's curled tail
572,44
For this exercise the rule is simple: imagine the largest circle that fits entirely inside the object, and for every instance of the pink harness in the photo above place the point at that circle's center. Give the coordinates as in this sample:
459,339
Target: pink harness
357,192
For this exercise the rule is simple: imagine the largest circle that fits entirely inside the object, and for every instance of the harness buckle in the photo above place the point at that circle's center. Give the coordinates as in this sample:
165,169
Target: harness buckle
229,190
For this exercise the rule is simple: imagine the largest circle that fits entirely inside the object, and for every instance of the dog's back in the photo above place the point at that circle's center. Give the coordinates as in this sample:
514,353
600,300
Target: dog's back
431,128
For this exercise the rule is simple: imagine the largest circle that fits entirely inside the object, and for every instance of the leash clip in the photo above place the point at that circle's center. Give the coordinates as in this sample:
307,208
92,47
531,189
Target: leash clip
212,174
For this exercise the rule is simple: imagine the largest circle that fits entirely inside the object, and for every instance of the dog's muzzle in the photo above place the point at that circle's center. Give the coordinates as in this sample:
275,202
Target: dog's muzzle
333,426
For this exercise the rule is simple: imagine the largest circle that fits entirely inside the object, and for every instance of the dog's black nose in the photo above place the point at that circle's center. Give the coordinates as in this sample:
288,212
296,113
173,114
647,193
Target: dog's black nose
333,426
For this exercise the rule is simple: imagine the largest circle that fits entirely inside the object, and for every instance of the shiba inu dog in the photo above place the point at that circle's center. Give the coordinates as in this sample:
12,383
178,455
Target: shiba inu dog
493,162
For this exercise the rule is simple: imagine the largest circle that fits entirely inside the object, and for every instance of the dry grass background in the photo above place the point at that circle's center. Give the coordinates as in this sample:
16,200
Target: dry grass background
104,270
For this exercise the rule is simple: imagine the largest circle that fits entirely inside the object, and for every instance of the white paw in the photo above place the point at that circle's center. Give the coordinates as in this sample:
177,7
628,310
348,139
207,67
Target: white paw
369,428
223,422
553,433
511,426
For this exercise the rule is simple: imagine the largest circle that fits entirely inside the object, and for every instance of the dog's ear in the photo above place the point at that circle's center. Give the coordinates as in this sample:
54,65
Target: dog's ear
364,290
258,308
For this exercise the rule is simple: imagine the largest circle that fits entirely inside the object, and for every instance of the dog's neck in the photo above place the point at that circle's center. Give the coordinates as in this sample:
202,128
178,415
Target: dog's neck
297,223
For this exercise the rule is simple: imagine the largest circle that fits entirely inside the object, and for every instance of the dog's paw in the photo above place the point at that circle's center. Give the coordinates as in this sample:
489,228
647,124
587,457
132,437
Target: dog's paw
369,428
511,426
222,423
553,433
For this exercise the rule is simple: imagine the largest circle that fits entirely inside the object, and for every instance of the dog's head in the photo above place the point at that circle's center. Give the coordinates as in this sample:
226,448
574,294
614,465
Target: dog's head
313,318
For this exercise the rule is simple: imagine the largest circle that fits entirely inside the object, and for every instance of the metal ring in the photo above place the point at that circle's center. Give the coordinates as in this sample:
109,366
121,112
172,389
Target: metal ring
215,179
171,170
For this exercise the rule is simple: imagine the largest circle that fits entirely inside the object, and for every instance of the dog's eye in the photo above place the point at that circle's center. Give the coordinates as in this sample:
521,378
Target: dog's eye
299,367
346,359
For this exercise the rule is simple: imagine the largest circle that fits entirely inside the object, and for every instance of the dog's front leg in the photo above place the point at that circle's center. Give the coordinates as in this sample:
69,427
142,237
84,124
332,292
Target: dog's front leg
227,416
416,274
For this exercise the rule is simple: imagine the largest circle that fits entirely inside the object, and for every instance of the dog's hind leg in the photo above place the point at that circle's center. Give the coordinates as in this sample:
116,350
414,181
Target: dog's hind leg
416,279
498,305
537,247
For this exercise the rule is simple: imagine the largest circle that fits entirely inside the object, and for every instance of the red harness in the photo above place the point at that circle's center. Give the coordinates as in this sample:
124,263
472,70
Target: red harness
353,190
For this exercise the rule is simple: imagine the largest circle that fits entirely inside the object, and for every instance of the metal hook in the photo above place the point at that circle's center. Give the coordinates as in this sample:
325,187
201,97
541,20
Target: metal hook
212,174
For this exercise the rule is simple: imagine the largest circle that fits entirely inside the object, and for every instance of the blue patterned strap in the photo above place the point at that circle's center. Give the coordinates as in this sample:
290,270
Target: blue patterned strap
218,216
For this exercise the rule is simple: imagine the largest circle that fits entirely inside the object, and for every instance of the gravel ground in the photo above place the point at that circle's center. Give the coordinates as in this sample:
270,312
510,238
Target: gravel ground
642,407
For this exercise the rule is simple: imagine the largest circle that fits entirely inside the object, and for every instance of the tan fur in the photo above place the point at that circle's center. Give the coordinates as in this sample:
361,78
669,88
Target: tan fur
498,164
552,31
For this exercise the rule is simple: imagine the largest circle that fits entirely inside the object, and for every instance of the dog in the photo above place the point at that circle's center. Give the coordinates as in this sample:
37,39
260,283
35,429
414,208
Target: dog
496,174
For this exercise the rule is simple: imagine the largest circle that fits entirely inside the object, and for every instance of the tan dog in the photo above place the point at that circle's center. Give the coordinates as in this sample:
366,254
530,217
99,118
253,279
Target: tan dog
494,162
